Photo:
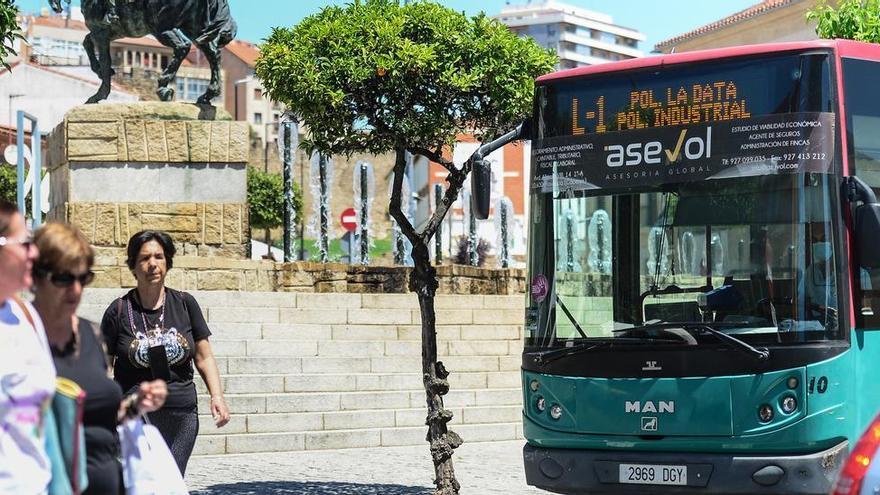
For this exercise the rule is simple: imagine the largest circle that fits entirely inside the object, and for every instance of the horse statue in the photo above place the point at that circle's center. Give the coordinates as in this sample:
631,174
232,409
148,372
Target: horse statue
174,23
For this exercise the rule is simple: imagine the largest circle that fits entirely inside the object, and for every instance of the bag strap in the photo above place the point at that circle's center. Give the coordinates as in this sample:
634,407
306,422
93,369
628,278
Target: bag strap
24,309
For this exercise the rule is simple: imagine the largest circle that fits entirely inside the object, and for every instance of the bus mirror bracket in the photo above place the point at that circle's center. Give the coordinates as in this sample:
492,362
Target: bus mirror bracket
866,222
481,169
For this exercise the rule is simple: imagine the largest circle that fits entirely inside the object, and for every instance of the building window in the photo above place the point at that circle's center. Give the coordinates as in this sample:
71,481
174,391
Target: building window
258,118
258,94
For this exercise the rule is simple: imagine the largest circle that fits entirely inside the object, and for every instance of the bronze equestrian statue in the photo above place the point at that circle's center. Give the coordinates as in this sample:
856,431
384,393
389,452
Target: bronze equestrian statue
174,23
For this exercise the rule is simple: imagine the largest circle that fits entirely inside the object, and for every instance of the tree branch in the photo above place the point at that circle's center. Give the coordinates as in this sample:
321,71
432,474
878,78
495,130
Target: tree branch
456,180
434,156
394,208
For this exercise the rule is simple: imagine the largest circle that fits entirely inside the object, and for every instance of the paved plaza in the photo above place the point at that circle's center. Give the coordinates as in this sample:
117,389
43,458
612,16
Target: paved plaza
481,468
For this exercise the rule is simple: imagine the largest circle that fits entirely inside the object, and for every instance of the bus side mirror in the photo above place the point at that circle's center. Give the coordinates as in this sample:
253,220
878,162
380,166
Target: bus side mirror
866,221
867,234
481,188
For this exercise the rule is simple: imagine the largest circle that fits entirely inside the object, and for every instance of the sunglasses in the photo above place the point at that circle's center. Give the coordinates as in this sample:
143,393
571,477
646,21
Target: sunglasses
66,279
26,241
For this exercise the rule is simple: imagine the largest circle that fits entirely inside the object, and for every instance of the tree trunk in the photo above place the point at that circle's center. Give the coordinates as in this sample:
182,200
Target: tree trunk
423,281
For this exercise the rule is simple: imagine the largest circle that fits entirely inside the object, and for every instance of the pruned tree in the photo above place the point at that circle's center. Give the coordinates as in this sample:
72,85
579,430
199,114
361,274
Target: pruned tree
265,197
852,19
9,30
377,76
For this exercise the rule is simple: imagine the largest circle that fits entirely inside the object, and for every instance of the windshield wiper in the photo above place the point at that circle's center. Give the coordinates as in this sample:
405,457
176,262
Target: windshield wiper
597,343
570,317
761,354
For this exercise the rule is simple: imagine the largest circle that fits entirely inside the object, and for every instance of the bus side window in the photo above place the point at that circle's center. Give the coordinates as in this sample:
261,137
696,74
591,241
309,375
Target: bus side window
863,151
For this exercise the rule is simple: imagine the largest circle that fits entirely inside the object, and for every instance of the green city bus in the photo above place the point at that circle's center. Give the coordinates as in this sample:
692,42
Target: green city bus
703,234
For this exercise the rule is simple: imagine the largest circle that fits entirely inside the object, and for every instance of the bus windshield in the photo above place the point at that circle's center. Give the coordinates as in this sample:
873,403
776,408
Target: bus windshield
700,194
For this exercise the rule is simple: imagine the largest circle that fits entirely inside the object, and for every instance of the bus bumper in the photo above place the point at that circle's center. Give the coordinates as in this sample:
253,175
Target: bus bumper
573,471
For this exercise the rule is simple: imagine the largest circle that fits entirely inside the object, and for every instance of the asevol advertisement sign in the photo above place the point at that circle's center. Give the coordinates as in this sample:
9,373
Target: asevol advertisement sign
773,144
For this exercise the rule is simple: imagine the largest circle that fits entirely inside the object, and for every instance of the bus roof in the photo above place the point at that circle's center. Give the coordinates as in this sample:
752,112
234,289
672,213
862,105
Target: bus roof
845,48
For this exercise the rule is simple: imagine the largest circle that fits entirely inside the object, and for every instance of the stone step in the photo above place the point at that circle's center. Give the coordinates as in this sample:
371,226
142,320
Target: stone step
359,348
371,332
241,443
306,402
353,382
350,420
249,365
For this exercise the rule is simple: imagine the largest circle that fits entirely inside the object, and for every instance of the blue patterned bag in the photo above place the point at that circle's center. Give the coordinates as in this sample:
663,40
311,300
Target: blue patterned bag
65,439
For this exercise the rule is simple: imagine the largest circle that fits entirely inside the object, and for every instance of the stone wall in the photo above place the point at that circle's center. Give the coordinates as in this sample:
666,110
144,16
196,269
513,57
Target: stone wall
147,132
198,229
116,169
218,273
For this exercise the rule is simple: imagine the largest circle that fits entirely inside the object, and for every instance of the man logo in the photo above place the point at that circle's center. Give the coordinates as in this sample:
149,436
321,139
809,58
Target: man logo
637,153
662,406
649,423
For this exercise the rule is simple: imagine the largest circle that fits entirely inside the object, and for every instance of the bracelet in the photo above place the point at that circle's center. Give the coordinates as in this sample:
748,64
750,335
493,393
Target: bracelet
219,397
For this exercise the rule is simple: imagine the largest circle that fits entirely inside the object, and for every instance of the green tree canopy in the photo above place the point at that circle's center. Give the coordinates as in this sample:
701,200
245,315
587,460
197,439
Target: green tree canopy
852,19
377,76
265,196
9,31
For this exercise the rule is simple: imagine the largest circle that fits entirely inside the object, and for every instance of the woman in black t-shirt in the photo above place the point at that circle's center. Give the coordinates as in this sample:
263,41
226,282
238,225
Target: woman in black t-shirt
60,273
157,332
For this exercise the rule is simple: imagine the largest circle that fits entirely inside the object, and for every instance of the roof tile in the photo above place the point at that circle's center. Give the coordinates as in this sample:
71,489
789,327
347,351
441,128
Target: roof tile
753,11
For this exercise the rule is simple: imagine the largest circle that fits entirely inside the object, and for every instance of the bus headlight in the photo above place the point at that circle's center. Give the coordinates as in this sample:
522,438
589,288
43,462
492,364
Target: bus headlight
534,385
541,404
555,411
788,404
792,383
765,413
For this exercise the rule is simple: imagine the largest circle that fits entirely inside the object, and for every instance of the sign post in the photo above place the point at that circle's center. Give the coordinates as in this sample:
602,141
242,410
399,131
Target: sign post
348,219
36,171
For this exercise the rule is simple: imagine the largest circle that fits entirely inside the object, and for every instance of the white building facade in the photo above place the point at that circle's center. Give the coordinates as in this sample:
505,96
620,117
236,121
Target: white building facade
46,93
579,36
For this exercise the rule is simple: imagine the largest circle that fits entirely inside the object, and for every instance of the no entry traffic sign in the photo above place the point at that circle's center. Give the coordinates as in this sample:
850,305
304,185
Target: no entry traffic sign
349,219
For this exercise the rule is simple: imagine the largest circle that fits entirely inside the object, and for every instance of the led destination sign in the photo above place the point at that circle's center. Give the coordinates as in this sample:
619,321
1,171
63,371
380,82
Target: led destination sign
771,144
715,101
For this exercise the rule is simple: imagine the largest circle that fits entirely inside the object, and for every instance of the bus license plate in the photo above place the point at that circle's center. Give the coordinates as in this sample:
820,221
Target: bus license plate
653,474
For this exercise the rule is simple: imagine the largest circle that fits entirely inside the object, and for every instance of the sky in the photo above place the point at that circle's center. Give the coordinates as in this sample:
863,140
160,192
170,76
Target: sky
658,20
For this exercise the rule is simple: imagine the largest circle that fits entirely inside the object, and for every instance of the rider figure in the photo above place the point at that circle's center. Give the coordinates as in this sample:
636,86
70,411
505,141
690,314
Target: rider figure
111,17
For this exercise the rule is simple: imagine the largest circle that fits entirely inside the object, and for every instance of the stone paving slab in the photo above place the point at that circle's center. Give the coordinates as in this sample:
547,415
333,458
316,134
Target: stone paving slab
374,471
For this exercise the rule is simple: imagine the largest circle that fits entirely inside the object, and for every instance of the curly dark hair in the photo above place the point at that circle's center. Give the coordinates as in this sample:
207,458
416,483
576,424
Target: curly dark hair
138,240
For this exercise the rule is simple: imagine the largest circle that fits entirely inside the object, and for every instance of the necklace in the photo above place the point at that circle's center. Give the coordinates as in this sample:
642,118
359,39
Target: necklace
161,323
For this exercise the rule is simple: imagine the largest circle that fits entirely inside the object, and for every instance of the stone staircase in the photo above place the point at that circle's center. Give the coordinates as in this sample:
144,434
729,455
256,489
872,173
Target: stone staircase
306,371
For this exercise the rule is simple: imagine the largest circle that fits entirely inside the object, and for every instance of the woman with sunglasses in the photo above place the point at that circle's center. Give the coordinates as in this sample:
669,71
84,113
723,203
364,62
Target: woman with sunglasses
156,331
27,376
62,270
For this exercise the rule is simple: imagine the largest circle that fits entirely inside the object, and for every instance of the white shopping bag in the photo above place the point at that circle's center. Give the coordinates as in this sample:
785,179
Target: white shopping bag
148,468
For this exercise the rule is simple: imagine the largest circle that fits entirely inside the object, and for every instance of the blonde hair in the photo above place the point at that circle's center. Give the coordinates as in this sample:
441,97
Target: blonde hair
62,248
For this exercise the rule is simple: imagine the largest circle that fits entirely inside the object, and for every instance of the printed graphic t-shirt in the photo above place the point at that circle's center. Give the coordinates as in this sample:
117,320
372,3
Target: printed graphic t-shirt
124,326
27,382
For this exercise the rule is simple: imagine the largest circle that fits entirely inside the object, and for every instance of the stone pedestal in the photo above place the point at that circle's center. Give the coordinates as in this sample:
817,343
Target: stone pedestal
120,168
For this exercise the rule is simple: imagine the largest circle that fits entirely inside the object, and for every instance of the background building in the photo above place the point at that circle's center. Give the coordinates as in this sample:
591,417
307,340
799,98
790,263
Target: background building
579,36
53,39
47,93
245,97
765,22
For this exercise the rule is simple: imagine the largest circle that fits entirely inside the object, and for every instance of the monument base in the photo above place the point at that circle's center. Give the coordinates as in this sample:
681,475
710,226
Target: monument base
116,169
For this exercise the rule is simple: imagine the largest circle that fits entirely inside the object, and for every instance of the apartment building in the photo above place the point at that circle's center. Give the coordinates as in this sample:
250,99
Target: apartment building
246,99
579,36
